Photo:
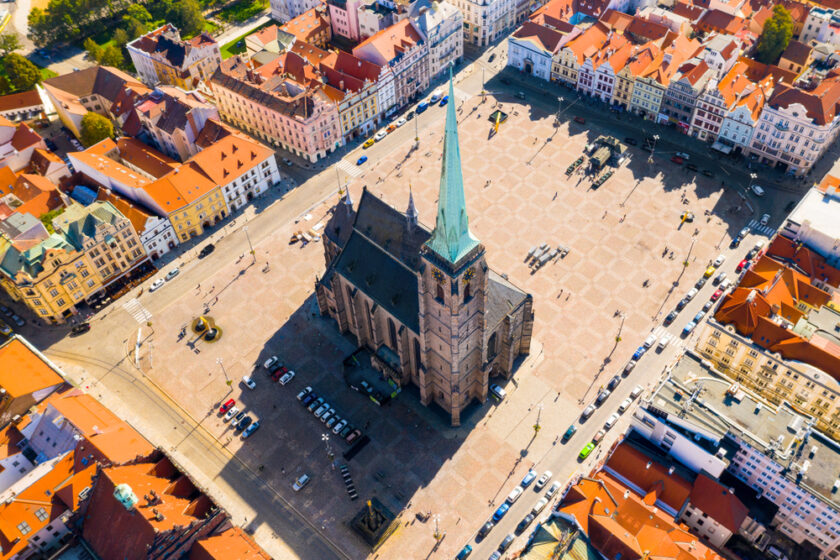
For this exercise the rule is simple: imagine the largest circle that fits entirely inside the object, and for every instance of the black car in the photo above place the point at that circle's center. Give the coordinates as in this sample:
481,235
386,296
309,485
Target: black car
505,81
691,167
524,523
81,328
700,283
244,423
630,141
790,206
50,144
238,417
6,311
707,173
506,543
602,396
308,399
613,383
670,318
485,529
409,115
683,302
492,57
209,248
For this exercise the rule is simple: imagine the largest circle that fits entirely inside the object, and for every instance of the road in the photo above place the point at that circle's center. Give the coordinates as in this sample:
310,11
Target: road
562,460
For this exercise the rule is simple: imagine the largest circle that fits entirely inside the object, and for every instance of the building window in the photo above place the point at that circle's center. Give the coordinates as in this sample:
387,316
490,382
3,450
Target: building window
41,514
439,295
392,333
24,527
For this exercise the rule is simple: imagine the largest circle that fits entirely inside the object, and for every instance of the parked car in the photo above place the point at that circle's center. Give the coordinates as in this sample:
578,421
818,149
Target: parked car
239,416
683,155
444,100
638,353
250,430
352,436
361,160
699,316
307,399
716,295
587,412
765,219
227,406
570,431
422,106
172,274
546,476
677,159
485,529
602,396
302,481
326,415
691,293
757,190
630,365
587,449
288,376
303,393
157,284
466,551
339,426
333,419
580,120
271,362
688,328
498,391
611,420
708,305
321,410
555,486
631,141
506,543
244,423
651,338
401,121
380,135
76,330
315,404
625,404
742,265
368,143
709,271
538,507
514,495
436,95
520,95
670,318
599,435
719,278
524,523
500,512
700,283
230,414
529,478
206,250
613,383
249,382
637,390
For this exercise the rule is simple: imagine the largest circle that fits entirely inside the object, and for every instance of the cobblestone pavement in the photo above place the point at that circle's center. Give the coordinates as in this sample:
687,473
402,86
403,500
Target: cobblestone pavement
518,196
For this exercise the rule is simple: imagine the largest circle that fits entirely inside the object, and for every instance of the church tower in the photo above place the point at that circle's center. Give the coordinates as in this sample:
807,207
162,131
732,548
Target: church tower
453,290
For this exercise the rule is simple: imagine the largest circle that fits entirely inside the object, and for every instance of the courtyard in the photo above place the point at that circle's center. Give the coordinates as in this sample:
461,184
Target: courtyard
518,197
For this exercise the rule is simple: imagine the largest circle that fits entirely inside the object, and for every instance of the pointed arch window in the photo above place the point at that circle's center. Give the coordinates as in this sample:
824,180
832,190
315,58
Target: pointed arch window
467,292
439,295
491,347
392,334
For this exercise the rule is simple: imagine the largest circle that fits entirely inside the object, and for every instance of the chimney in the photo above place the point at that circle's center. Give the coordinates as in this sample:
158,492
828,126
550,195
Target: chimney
626,494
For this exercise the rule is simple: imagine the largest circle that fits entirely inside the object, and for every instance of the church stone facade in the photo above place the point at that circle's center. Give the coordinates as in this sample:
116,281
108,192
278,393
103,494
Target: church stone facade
425,303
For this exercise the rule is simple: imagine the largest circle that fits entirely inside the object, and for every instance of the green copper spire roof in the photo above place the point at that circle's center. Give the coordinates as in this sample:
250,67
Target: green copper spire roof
451,238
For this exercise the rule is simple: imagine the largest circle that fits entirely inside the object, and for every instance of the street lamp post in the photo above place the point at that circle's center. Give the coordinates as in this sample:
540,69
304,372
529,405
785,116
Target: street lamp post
539,413
224,371
251,247
653,148
753,177
326,439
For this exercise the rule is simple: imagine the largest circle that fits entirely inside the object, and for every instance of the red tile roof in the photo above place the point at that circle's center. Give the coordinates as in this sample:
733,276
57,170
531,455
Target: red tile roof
651,476
232,544
821,104
544,38
716,501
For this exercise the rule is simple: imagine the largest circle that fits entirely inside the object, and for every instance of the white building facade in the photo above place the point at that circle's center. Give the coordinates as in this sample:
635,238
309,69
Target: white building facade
442,24
284,10
486,20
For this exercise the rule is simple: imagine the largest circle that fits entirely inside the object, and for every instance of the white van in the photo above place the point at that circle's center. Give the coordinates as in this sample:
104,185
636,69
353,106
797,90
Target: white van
663,342
650,340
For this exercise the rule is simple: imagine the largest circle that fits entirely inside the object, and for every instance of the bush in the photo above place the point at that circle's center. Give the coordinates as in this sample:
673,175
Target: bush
95,128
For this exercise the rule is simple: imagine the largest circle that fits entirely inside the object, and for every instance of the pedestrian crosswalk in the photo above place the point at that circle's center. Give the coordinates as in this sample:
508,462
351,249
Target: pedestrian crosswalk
349,168
136,310
348,482
661,331
756,226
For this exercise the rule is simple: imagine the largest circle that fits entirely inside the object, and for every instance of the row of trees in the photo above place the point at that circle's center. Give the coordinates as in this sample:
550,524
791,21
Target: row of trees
73,21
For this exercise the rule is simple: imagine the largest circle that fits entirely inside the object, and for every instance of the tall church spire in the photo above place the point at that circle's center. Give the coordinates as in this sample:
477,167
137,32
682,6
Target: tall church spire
451,238
411,212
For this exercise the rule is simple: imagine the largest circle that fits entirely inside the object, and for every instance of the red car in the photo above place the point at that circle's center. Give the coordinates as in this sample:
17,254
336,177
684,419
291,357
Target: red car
677,159
716,295
742,265
227,406
580,120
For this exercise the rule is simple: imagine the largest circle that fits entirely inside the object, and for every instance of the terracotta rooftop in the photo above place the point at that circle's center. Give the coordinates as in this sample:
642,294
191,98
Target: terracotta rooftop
22,100
23,371
721,21
233,543
136,214
391,42
542,37
231,157
309,25
798,53
821,104
716,501
649,475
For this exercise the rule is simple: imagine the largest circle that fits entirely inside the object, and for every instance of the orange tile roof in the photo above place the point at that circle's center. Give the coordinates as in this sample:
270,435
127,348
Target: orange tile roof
8,178
649,475
137,215
561,10
621,523
181,187
589,42
25,137
713,499
233,543
22,371
718,20
22,100
393,41
543,37
231,157
42,494
309,25
145,157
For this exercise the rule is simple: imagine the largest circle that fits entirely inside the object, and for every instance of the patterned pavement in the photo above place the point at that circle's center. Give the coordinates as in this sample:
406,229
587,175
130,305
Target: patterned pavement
518,196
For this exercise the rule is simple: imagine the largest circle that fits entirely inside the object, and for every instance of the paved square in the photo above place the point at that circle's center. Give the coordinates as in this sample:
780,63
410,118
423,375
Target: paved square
518,196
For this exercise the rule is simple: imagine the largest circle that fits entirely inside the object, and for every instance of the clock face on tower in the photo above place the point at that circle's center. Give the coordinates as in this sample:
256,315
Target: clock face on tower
469,275
438,276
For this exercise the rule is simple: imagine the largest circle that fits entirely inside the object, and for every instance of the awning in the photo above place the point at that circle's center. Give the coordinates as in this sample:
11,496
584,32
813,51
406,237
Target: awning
722,148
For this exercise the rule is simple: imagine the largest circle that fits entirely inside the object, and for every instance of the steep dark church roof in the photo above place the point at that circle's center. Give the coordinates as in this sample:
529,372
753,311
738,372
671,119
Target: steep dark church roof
502,298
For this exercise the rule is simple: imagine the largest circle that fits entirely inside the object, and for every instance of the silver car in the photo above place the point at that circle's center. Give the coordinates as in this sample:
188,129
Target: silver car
321,410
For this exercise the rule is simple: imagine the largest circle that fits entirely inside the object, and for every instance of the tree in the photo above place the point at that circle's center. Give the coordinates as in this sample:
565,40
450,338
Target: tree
112,56
120,38
134,27
93,49
95,128
9,43
774,39
140,13
186,15
22,74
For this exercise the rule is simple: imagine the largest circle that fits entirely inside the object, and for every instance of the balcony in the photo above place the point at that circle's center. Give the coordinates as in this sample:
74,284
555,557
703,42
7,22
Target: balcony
784,127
